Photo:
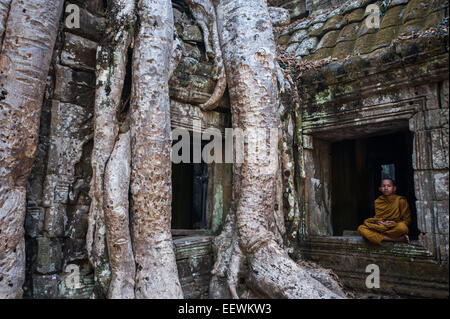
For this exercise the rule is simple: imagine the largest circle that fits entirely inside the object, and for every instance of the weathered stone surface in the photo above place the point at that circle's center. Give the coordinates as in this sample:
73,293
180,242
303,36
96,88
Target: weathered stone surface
440,180
45,286
306,47
74,250
439,149
316,30
425,213
392,17
328,40
94,6
442,217
91,26
299,36
34,221
78,53
423,185
75,87
192,33
279,16
401,265
77,221
49,255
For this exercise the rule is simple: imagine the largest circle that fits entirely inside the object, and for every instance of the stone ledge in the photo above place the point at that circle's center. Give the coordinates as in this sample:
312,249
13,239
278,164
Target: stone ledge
406,270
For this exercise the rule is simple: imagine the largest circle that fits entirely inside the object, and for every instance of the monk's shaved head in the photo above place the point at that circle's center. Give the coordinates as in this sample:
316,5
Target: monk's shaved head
388,179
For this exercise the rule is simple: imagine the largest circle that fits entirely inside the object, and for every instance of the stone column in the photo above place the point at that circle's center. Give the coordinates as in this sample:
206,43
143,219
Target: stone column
430,164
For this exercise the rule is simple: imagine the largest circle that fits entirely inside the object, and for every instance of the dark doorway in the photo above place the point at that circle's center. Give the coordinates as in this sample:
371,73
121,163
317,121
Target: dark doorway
189,191
357,168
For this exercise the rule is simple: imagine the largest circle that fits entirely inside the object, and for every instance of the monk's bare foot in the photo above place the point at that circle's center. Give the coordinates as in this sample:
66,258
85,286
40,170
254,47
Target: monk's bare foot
406,239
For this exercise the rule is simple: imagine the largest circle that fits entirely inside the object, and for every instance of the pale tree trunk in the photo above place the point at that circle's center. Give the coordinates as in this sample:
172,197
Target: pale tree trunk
27,47
111,65
121,258
4,12
151,185
249,52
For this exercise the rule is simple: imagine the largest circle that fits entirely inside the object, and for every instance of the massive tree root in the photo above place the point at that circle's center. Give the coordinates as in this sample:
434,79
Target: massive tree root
111,64
151,185
140,264
24,65
249,54
204,13
120,251
28,30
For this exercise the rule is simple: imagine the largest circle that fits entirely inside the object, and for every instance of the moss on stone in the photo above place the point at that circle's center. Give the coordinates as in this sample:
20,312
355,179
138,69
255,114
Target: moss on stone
348,33
392,17
434,18
328,40
411,26
320,54
355,16
415,9
324,96
316,30
334,23
384,37
284,40
343,49
364,44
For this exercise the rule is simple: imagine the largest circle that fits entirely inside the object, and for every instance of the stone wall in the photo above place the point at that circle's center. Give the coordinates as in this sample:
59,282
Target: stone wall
399,81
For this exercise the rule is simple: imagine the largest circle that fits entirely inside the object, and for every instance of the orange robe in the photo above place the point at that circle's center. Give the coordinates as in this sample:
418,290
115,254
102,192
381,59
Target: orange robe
393,208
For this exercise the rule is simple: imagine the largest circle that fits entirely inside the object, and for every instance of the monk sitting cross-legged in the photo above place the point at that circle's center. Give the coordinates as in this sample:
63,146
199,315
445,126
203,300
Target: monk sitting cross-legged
392,217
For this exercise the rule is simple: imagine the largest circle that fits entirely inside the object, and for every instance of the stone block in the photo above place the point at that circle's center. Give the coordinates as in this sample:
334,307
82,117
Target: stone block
417,122
306,47
333,23
76,282
435,118
74,87
34,221
440,180
74,250
392,17
94,6
192,33
425,212
439,149
355,16
348,33
49,255
77,221
423,185
79,53
316,30
343,49
45,287
415,9
442,245
384,37
299,36
54,221
328,40
91,26
444,89
421,149
279,16
442,218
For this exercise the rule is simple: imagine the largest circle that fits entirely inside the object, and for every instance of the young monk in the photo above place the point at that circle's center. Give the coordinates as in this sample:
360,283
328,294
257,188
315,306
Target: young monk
392,217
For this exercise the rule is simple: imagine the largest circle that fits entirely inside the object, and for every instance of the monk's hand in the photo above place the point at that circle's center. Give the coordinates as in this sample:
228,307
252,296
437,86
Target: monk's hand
380,222
389,222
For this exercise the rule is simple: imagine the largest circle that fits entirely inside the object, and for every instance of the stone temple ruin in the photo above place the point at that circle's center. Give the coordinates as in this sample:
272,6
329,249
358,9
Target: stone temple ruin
373,101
